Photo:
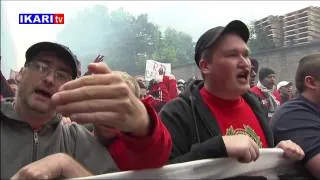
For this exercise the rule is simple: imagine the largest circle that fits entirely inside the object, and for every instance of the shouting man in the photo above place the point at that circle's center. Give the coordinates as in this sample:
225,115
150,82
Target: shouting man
218,117
35,141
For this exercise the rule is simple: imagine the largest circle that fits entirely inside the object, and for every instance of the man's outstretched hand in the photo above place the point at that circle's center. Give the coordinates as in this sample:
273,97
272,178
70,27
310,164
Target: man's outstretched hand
103,99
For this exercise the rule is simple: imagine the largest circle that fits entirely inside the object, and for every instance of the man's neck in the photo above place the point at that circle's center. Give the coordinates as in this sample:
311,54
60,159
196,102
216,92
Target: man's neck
33,118
221,94
266,86
310,97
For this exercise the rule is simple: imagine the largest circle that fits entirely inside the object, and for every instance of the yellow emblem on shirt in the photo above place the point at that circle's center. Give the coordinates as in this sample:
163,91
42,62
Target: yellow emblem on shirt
246,130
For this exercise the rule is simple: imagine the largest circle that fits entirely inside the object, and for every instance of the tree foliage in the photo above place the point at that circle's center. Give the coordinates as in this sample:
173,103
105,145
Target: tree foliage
125,40
259,39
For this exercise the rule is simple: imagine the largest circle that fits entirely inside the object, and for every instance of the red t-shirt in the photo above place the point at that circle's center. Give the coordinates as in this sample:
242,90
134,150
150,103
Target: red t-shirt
235,117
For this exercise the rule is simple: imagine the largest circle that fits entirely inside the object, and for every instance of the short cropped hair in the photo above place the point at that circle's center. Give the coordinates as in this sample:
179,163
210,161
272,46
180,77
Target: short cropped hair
131,81
308,66
255,65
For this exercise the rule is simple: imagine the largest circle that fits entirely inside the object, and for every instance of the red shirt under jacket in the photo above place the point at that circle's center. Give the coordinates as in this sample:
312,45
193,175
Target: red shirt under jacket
235,117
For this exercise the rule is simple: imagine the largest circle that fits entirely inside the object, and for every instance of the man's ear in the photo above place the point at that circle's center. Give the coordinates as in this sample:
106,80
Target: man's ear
20,74
309,82
204,66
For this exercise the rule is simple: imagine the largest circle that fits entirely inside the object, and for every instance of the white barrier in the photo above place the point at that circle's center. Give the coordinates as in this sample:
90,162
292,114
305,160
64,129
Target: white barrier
270,163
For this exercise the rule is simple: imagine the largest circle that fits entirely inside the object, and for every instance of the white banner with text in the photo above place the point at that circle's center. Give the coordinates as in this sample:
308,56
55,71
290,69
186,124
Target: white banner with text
152,69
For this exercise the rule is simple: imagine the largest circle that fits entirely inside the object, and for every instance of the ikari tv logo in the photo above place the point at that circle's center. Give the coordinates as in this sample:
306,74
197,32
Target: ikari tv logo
41,18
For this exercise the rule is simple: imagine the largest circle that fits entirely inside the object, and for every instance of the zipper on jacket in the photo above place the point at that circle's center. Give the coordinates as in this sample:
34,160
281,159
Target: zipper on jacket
35,145
197,134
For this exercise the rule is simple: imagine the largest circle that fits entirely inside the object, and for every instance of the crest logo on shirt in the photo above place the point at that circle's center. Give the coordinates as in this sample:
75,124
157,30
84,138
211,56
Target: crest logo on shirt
246,130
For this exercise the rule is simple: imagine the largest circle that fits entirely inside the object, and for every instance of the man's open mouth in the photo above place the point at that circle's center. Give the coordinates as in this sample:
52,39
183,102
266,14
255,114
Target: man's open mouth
43,92
244,75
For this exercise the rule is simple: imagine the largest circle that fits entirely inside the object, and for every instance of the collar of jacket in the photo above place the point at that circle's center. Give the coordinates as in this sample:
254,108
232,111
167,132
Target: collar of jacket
7,109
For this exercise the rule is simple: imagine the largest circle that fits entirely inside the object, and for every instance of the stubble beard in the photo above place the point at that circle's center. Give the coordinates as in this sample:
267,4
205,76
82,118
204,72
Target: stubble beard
37,107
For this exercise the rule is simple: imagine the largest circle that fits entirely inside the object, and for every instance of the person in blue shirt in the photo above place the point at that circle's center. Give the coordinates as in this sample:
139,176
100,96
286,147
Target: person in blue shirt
299,119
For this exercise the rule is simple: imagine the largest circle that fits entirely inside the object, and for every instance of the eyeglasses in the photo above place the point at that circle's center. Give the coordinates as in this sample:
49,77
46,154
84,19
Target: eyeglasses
44,69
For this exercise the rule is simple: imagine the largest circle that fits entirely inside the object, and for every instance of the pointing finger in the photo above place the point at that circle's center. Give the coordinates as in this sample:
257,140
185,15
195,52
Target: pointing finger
110,119
99,68
97,79
95,105
90,92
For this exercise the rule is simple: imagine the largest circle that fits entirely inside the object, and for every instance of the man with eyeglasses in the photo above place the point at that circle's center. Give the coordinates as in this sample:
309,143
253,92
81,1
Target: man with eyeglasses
36,145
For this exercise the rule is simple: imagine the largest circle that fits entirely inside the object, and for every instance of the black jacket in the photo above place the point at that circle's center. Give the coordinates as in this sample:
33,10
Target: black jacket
194,130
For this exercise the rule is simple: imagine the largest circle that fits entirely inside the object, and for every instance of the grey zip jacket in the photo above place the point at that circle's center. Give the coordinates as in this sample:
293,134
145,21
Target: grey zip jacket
20,145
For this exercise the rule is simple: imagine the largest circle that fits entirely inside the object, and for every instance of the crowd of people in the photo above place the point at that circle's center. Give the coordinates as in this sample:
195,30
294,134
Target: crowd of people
56,123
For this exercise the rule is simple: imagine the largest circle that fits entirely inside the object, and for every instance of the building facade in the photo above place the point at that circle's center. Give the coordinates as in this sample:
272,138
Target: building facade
294,28
273,27
302,26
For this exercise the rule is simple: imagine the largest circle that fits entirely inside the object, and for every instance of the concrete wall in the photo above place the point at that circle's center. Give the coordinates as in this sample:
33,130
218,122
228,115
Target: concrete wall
186,71
283,60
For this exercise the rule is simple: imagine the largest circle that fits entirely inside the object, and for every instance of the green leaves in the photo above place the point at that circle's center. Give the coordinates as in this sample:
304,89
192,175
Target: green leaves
259,39
175,47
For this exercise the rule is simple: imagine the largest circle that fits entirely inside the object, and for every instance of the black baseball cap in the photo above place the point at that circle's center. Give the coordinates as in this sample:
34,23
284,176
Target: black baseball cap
209,38
62,51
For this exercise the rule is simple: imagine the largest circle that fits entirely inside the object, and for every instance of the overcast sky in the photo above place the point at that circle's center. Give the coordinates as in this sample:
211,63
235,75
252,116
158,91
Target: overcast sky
192,17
